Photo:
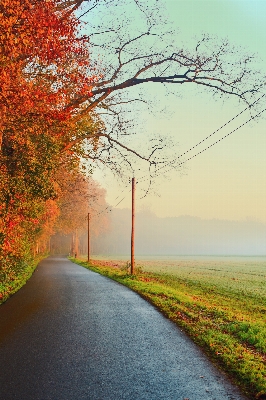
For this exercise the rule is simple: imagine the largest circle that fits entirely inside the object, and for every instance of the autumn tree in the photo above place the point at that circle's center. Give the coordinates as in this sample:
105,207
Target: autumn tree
44,65
79,196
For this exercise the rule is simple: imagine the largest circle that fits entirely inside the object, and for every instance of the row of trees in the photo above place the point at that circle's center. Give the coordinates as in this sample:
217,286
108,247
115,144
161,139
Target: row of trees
79,197
62,93
45,66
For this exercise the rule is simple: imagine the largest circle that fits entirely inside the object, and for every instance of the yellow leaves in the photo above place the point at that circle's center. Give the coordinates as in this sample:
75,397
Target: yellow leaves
43,68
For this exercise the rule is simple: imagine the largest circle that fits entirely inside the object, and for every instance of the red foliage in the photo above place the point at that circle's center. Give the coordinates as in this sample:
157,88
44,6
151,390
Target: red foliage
44,65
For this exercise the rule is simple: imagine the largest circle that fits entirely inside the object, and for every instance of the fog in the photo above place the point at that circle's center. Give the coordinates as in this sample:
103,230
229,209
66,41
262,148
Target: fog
183,235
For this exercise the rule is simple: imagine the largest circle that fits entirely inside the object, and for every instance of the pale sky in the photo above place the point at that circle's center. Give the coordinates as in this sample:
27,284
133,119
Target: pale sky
228,180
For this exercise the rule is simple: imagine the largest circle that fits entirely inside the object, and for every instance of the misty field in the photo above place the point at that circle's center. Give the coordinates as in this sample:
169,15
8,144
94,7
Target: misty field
220,302
245,277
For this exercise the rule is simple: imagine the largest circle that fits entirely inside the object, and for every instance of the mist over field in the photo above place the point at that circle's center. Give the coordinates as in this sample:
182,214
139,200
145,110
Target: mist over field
183,235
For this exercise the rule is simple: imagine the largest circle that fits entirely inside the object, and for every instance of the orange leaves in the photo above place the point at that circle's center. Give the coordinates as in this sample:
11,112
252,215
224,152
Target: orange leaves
31,29
41,60
44,65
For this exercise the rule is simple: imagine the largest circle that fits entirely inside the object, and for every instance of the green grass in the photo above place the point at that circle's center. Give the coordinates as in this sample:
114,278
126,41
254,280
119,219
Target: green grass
12,280
222,306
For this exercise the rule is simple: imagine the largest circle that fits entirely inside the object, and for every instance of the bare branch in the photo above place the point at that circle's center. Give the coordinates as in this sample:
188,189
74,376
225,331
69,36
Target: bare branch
131,58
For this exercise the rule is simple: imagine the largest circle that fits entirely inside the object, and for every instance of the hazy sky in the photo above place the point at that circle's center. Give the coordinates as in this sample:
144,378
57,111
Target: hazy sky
227,181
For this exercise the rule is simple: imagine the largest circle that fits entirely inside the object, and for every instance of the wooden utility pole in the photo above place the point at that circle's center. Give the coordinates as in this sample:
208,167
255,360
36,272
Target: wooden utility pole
76,249
133,228
88,237
73,245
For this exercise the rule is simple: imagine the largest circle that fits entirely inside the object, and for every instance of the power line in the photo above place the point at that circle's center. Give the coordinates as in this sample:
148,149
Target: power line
119,202
207,137
192,148
206,148
100,212
221,127
113,206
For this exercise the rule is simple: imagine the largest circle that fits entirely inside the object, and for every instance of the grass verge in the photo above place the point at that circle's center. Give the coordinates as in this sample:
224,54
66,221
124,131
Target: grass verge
230,327
14,281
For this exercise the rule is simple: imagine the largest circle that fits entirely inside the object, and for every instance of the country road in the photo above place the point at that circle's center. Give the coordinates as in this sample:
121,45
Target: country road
72,334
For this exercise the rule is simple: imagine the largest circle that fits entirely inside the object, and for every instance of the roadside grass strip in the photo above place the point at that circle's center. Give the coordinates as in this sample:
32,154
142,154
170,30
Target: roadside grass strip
227,323
12,279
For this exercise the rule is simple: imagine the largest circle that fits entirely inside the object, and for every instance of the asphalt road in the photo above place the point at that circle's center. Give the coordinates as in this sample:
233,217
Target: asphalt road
71,334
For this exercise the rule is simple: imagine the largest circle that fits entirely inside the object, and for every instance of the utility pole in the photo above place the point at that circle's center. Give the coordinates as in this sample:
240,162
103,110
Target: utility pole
88,237
76,254
73,245
133,228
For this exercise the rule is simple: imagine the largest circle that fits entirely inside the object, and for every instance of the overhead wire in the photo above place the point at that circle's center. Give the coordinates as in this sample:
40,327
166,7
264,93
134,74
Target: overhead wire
206,148
113,206
192,148
207,137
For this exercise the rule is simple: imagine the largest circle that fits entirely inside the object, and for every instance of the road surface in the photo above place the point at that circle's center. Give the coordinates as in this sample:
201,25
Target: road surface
72,334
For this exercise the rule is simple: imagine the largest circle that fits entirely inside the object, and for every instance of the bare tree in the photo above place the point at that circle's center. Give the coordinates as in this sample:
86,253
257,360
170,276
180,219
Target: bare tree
135,58
127,57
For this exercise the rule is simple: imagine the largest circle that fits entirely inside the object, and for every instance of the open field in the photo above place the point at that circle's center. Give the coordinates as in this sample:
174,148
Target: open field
220,302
